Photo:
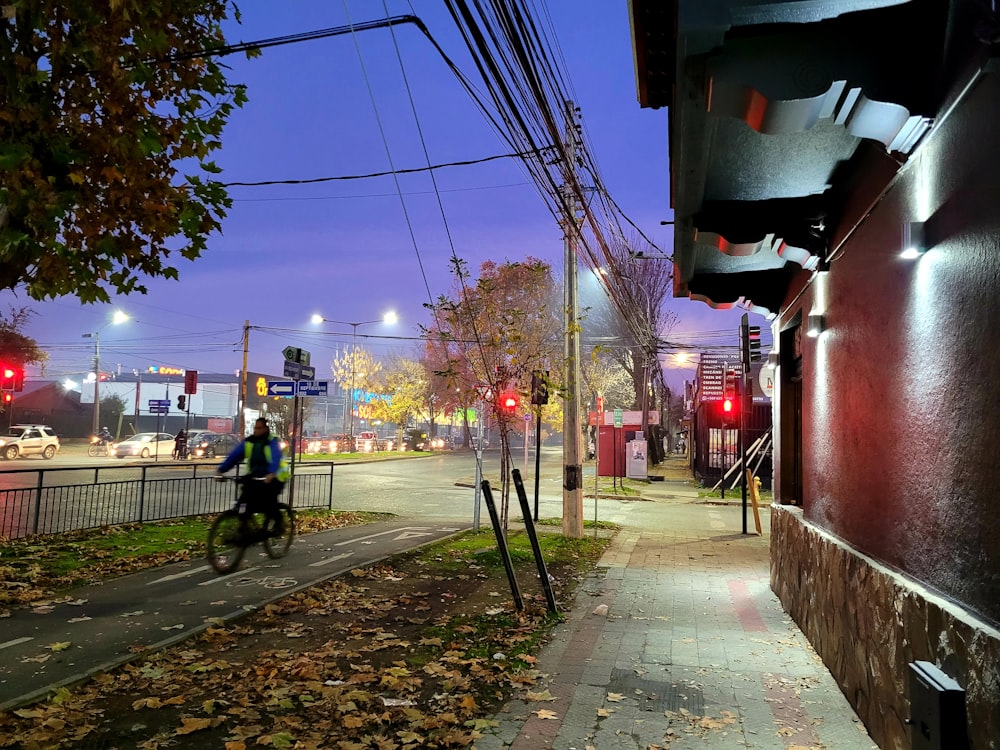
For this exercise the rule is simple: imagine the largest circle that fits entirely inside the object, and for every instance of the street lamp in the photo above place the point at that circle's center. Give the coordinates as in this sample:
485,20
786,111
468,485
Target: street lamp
119,317
389,318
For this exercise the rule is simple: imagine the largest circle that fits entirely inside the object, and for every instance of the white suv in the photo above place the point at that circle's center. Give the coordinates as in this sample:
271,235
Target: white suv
29,439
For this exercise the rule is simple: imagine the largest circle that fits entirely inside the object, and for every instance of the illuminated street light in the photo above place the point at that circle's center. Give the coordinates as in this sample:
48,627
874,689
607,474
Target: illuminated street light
118,317
389,319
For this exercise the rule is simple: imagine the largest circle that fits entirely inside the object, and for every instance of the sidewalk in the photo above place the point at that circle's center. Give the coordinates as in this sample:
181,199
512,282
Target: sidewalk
677,641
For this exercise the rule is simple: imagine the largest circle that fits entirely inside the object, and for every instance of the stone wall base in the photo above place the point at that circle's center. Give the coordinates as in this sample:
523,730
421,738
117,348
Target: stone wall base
868,623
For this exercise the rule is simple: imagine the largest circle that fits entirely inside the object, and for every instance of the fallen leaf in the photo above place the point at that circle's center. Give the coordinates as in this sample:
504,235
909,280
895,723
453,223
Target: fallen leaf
61,646
545,695
192,725
545,714
615,697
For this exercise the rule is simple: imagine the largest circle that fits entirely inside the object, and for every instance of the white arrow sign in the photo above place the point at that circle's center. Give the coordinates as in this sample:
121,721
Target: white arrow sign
280,387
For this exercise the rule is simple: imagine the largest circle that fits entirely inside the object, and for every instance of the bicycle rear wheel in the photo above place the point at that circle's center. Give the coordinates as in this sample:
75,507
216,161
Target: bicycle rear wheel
225,542
278,546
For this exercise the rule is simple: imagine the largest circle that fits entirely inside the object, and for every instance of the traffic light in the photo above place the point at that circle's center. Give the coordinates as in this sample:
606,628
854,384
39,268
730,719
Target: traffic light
8,398
6,377
539,388
18,378
508,403
729,406
749,344
181,402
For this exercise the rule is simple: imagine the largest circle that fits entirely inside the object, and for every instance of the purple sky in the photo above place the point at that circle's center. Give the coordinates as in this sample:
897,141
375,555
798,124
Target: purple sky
344,249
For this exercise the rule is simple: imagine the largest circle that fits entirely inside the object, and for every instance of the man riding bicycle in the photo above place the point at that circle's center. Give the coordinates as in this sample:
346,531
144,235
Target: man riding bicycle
104,436
262,456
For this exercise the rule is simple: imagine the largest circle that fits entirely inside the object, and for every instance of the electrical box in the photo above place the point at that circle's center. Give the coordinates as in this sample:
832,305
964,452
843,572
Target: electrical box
937,710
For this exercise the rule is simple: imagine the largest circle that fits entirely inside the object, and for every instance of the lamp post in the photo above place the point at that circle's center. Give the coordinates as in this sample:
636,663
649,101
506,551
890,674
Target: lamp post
389,318
119,317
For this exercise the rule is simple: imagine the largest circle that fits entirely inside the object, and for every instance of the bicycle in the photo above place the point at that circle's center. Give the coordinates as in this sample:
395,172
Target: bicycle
236,529
100,447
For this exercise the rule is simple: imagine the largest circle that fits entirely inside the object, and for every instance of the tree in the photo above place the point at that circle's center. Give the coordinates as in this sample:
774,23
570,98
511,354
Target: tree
356,368
112,409
15,347
404,395
102,102
490,335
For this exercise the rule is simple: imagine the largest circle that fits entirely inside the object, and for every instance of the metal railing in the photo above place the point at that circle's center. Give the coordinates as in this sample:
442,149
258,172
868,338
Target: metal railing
133,494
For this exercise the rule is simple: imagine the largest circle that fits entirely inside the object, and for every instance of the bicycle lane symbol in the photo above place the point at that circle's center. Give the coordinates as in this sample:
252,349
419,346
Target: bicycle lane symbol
267,582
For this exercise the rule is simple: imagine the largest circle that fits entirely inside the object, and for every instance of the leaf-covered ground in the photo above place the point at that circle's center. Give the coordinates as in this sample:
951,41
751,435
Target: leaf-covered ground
419,651
36,568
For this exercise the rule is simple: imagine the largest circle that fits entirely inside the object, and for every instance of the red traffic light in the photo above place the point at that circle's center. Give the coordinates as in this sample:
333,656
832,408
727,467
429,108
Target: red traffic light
508,402
8,397
727,405
8,373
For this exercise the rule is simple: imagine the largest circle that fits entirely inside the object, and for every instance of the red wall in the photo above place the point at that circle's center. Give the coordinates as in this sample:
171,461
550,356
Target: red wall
901,392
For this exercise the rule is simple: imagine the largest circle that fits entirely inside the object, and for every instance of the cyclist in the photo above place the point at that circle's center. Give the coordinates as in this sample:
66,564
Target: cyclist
261,454
105,436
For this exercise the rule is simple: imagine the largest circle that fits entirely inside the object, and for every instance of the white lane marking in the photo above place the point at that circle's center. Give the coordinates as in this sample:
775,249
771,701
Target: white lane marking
15,642
715,521
383,533
412,534
328,560
224,578
185,574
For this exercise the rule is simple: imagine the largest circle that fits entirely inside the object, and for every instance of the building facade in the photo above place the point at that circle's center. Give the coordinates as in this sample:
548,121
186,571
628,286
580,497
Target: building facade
837,166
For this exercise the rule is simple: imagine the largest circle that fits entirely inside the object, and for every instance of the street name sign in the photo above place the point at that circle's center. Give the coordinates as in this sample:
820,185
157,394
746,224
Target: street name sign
299,372
159,406
313,387
280,388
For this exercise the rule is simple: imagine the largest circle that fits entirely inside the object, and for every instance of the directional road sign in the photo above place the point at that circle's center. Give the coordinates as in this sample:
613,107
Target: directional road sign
280,388
159,406
299,372
296,355
313,387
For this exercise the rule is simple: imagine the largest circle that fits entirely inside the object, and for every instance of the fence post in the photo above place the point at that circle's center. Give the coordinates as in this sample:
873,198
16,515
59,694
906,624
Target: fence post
142,494
38,500
329,499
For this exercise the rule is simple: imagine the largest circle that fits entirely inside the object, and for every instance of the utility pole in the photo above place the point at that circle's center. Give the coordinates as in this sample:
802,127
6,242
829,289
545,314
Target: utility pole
572,522
243,379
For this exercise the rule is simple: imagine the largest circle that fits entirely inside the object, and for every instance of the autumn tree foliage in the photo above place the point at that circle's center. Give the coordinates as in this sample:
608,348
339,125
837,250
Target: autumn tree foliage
404,394
15,347
108,119
489,335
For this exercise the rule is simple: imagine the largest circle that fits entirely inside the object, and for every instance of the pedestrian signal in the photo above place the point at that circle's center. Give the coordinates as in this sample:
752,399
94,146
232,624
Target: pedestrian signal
508,403
181,402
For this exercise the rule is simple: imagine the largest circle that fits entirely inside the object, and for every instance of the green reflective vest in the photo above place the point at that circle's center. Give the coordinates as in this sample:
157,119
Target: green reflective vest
283,472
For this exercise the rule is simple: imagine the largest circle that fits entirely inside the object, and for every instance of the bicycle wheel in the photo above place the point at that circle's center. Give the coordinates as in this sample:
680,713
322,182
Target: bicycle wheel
278,546
225,542
93,449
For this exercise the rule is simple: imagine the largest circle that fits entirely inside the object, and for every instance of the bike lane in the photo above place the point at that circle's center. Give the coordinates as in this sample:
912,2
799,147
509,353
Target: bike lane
100,626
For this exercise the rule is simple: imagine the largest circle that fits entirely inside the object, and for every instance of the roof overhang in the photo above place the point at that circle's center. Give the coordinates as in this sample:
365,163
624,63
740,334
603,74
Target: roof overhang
777,111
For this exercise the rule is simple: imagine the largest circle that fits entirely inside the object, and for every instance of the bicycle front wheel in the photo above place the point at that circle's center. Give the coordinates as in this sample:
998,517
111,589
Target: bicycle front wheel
278,546
225,542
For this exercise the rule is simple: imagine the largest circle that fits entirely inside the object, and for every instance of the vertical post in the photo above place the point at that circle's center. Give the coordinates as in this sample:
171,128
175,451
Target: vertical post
572,467
741,399
138,388
502,545
295,442
97,382
529,527
354,364
479,467
538,454
243,379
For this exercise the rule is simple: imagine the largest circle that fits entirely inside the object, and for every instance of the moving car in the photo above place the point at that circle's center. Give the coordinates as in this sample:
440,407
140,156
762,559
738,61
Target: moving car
146,444
212,445
29,440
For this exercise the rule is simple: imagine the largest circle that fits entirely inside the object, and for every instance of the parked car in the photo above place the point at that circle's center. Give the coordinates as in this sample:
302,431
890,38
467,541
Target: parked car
146,444
212,445
29,440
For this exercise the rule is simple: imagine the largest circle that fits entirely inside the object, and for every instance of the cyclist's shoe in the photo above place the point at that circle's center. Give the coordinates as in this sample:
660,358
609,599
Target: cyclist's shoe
278,530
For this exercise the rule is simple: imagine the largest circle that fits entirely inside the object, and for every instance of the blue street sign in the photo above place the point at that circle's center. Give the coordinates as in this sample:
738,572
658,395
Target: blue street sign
280,388
313,387
159,406
299,372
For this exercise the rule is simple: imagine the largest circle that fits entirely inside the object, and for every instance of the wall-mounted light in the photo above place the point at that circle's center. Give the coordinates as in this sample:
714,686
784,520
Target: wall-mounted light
914,244
815,325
